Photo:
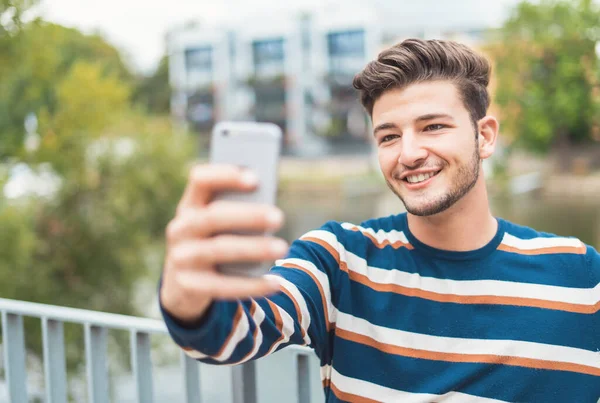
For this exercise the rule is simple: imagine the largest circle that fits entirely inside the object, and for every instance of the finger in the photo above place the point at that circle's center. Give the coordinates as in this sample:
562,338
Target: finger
200,254
217,286
205,180
224,217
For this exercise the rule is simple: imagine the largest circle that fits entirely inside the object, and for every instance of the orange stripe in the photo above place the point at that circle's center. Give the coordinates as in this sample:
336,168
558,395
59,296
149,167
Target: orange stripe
297,307
473,358
395,245
578,250
326,382
236,321
349,397
474,299
328,325
252,312
458,299
278,324
332,251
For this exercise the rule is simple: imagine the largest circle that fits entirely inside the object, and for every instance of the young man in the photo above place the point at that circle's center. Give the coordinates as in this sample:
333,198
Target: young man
442,303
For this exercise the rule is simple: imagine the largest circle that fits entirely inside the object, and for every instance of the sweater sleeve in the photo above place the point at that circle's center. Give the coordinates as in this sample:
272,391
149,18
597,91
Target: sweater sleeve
233,332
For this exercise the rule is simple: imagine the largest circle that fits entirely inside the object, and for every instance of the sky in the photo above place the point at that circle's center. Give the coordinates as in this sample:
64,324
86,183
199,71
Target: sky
138,28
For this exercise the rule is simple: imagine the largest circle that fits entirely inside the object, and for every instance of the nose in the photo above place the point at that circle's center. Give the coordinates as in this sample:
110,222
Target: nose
412,153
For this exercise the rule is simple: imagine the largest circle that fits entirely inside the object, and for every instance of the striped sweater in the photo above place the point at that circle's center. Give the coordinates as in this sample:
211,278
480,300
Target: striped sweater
392,319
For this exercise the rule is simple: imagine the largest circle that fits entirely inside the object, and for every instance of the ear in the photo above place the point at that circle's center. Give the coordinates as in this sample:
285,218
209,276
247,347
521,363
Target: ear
488,133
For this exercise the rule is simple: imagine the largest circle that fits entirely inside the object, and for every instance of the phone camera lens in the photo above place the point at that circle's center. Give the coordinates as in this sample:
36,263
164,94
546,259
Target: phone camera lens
225,133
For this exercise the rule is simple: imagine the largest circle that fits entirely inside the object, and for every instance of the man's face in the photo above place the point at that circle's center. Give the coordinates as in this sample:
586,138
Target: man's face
427,147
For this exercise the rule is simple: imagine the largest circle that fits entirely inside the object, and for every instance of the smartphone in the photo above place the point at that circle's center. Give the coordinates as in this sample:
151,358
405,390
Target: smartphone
255,146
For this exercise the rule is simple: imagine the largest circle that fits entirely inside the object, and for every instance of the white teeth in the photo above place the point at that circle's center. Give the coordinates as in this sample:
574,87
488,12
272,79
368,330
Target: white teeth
419,178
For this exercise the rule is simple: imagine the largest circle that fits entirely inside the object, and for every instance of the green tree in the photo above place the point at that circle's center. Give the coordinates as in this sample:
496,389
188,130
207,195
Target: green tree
93,243
86,102
153,92
11,12
547,73
11,27
45,53
87,245
119,175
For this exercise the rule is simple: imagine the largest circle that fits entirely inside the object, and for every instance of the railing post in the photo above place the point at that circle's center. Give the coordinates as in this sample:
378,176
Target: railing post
54,361
141,363
190,378
14,357
96,366
303,378
244,383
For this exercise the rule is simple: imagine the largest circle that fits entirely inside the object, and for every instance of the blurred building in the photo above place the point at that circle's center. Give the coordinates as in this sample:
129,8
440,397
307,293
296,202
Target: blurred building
295,71
200,72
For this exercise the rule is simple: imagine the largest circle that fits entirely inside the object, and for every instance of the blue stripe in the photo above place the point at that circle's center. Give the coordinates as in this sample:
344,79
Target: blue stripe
285,303
503,382
566,270
326,263
477,321
209,338
563,270
314,303
268,328
321,257
243,347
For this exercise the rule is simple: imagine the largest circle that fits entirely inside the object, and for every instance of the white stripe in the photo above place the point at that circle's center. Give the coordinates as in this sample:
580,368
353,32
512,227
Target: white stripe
292,289
380,393
321,278
326,236
330,239
582,296
258,318
326,372
287,329
240,332
540,243
455,345
196,354
381,236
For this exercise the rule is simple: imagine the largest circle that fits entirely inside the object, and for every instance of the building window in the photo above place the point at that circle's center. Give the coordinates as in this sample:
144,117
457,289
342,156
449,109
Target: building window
268,57
198,59
346,51
199,66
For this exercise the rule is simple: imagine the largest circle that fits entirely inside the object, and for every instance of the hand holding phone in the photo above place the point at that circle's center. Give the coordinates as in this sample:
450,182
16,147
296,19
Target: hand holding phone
222,222
254,147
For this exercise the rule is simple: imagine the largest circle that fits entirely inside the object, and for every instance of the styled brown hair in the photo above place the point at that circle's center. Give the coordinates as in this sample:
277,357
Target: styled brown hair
416,60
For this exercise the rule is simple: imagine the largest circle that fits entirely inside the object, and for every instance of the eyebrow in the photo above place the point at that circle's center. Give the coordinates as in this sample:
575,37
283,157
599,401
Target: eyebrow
432,116
384,126
422,118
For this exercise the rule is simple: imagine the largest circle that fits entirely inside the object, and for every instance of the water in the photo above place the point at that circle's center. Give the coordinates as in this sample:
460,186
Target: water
562,216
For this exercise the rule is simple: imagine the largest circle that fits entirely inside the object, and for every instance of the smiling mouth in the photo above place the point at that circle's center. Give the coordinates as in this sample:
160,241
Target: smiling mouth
414,179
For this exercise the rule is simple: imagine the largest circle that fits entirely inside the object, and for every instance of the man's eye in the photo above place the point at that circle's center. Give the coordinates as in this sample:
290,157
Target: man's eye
436,126
389,137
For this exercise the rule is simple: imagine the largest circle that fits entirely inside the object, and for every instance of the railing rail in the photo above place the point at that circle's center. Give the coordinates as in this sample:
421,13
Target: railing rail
82,316
95,326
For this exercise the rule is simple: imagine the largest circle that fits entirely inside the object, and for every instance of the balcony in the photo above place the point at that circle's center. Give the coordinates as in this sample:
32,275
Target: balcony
291,375
276,82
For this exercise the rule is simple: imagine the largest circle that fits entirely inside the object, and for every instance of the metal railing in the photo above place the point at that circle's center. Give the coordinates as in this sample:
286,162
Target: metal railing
301,384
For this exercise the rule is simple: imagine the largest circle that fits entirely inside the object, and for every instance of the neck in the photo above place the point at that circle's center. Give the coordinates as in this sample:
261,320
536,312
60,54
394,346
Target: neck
467,225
